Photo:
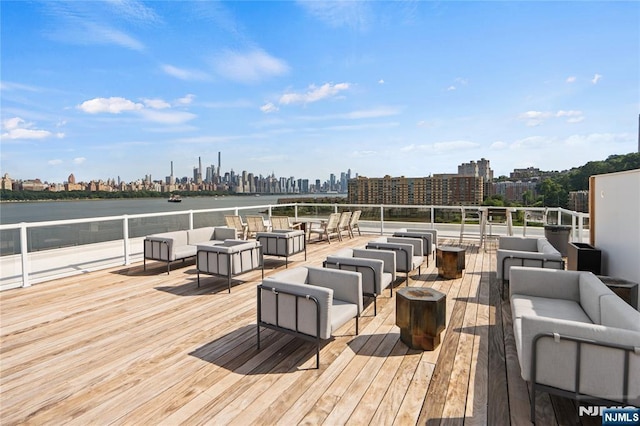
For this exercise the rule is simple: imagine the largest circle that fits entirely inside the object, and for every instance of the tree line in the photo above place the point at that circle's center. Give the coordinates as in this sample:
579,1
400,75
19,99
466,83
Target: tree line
554,191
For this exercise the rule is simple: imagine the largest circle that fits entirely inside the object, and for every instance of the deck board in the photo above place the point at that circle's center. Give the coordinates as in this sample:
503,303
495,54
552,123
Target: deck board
127,346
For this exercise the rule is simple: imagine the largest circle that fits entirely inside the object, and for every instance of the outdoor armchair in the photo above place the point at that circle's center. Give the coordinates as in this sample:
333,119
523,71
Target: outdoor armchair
377,267
282,243
309,302
408,252
230,258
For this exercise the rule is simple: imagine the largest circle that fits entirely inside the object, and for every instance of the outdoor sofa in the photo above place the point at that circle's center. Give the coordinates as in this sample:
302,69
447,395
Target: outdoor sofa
180,245
574,337
525,251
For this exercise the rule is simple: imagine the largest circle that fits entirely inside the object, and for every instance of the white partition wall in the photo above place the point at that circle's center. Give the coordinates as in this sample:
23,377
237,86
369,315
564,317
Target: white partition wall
615,222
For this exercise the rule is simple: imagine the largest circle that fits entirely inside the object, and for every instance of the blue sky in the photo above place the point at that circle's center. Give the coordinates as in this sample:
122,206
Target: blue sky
104,89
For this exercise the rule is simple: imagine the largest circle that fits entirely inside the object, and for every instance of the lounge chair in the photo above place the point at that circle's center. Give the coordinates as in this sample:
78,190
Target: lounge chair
283,223
354,222
343,224
327,228
255,224
235,221
308,302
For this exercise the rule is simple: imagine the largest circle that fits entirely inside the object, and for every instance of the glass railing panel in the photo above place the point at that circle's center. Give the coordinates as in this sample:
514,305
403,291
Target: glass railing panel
204,219
9,242
141,227
76,234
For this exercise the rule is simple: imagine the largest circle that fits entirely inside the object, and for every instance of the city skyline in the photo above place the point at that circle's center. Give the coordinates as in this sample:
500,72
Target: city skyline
306,89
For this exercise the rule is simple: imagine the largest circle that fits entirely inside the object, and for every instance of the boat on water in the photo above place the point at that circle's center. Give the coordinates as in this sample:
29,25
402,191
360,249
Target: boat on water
175,199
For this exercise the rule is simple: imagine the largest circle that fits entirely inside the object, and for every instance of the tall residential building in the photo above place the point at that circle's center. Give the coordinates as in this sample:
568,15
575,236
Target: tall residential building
441,189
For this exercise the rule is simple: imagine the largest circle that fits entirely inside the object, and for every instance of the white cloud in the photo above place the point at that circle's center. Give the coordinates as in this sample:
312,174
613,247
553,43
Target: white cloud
571,79
17,128
314,93
156,103
113,105
268,108
167,117
572,116
249,67
381,81
54,162
186,100
156,110
79,160
596,78
534,118
184,74
451,88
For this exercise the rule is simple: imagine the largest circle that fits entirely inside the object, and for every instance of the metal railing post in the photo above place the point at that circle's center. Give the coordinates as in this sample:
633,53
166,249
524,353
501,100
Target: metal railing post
24,252
125,235
381,219
190,219
432,217
295,211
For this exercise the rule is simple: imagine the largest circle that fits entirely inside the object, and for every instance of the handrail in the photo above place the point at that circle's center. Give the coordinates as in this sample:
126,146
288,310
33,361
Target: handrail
577,224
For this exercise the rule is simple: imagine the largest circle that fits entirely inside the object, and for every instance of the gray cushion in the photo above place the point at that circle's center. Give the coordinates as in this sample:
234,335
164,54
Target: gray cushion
615,312
591,290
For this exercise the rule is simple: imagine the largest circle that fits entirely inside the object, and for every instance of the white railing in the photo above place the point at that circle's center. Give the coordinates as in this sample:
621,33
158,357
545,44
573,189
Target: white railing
43,251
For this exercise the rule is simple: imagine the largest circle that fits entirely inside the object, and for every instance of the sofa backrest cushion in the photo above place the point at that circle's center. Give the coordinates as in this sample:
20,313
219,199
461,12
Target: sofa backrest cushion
298,275
591,290
518,243
200,235
544,246
177,238
347,252
615,312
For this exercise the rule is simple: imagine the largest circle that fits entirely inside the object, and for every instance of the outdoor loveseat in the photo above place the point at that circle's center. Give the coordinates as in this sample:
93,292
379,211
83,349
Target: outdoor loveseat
575,337
176,245
309,302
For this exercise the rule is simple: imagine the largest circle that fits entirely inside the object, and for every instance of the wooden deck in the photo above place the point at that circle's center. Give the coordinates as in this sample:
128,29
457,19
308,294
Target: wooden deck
125,346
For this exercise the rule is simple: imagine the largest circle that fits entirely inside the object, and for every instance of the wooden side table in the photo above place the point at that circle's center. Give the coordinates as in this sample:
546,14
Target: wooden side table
627,290
421,316
450,261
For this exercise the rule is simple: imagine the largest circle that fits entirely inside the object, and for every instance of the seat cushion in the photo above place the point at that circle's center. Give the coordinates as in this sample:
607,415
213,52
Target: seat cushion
341,312
182,252
546,307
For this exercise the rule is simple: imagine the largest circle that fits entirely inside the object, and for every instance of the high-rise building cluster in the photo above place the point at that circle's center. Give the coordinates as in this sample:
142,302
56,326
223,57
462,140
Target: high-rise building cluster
208,178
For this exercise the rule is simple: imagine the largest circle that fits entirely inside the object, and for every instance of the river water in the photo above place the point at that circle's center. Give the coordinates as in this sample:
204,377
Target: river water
41,211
